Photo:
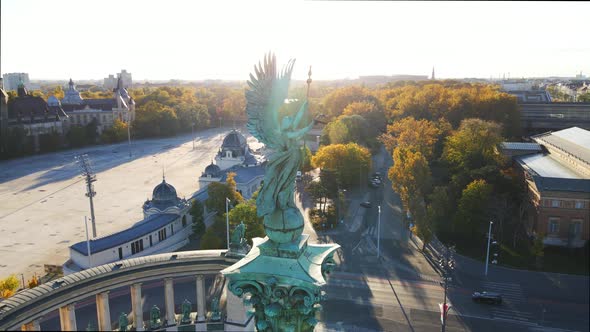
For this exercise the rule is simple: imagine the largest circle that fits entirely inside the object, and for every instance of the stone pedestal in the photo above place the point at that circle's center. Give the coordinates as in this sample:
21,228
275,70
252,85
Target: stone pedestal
237,317
283,281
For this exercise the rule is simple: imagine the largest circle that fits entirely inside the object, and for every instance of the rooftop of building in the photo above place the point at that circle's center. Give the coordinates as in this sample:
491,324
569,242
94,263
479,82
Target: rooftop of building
244,174
149,225
521,146
573,141
547,166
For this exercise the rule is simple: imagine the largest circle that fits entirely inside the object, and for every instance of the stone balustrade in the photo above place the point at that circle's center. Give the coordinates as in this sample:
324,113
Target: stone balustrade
25,310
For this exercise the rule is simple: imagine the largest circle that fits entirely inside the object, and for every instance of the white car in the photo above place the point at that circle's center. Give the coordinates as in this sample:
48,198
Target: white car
298,176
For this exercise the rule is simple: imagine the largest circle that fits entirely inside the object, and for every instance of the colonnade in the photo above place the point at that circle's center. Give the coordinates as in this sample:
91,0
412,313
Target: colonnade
67,313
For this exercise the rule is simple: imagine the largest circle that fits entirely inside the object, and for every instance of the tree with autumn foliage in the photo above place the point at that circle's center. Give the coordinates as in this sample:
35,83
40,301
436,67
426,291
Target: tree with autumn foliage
8,286
410,176
116,133
416,135
336,101
370,111
351,162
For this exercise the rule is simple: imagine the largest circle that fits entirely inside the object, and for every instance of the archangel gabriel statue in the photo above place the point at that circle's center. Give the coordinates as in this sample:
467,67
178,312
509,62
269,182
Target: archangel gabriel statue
267,92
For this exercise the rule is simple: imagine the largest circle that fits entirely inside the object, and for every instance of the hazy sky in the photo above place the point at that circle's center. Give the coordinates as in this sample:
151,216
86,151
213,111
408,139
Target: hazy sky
215,39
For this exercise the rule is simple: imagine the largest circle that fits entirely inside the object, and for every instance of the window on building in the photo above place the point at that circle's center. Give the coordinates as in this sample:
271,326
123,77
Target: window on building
162,234
554,203
171,229
576,227
579,205
151,243
183,221
120,253
136,247
553,226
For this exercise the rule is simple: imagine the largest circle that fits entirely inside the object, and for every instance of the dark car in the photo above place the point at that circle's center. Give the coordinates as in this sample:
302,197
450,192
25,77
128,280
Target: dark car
487,297
366,204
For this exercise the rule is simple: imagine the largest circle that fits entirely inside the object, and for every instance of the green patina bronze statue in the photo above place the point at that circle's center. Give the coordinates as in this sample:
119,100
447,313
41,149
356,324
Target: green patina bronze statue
123,322
283,221
282,273
155,321
186,311
215,313
237,236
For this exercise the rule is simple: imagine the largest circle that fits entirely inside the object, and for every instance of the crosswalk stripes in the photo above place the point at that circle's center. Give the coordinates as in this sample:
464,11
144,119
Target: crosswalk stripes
510,291
511,295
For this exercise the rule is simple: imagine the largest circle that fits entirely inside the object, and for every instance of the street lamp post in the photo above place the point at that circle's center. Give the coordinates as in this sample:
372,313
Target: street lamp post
488,252
227,201
193,134
88,243
447,264
379,231
129,134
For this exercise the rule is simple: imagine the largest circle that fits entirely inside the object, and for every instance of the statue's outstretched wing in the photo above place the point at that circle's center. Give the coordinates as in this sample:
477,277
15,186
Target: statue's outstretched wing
266,94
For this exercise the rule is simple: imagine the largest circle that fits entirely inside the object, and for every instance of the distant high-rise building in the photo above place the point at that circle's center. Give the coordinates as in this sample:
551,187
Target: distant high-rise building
12,80
112,81
433,77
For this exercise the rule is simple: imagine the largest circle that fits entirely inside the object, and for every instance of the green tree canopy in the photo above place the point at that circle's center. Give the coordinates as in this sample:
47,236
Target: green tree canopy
349,129
246,212
472,215
351,162
155,119
472,150
217,192
197,212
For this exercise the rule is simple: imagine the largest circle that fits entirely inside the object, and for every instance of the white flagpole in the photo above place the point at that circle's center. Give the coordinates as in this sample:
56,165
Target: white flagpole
88,242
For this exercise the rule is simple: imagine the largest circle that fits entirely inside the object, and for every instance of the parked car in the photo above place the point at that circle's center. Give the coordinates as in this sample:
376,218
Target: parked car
487,297
366,204
298,176
375,184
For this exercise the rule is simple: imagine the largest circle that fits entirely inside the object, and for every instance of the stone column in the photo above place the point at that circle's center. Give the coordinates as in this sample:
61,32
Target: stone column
137,307
103,311
201,307
67,317
32,326
169,298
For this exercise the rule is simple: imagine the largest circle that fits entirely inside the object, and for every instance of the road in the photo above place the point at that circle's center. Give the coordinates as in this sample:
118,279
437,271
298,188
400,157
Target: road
42,201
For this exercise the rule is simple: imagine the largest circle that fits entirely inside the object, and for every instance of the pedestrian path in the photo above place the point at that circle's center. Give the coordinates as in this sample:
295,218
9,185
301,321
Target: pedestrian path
512,295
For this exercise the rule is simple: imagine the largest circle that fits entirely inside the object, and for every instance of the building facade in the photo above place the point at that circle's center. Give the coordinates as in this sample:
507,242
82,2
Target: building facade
83,111
235,156
112,81
558,183
33,115
11,81
166,227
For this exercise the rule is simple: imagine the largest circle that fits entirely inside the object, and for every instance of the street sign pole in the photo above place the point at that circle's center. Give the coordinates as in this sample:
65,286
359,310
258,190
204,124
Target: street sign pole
379,233
488,254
